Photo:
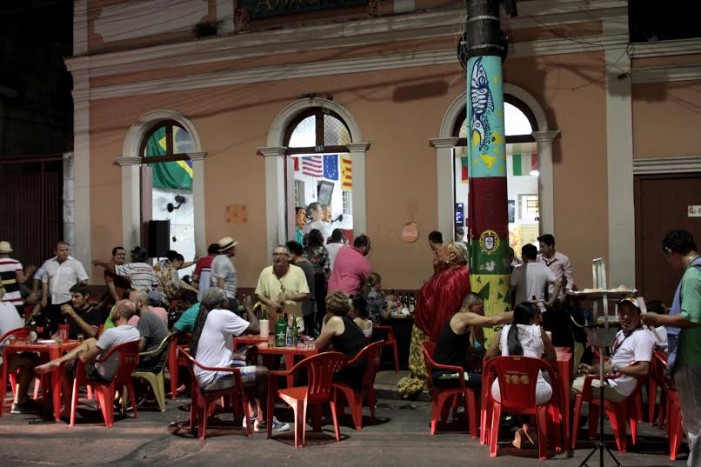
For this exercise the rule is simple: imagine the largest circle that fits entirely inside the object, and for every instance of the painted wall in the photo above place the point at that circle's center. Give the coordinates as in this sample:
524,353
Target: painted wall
571,88
661,111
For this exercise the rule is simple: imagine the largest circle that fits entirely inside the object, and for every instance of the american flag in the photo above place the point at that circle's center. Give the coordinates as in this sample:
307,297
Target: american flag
312,165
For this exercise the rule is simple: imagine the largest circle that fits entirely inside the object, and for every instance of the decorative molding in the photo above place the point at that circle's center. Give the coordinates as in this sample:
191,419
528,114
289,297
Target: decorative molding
337,67
276,151
665,48
667,165
358,147
666,74
545,136
438,143
384,29
127,161
197,156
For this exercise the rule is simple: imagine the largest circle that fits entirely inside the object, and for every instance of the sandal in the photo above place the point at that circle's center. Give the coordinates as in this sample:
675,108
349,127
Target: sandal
525,431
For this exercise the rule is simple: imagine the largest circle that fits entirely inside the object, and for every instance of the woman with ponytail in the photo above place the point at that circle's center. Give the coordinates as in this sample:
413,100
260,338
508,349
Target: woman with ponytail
524,336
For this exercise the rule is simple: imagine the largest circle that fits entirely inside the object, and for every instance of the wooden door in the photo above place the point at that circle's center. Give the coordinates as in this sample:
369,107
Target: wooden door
662,204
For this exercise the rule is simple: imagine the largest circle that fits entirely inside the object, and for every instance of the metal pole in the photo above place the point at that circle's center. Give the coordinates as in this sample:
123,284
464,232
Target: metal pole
487,202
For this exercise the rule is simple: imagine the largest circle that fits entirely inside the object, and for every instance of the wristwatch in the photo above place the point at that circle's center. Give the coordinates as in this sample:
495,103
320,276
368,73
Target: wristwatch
615,369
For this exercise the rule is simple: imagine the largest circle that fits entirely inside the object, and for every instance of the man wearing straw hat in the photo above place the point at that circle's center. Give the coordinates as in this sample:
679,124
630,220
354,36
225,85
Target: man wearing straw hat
224,271
11,276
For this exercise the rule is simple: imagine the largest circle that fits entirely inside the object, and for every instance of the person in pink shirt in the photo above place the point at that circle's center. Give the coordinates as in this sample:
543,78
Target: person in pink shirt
351,267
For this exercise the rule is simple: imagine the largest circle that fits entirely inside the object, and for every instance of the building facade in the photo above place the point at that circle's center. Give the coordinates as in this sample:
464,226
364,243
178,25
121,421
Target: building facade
261,90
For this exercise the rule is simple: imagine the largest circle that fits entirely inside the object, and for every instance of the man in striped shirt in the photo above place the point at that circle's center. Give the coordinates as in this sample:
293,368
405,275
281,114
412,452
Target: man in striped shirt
11,276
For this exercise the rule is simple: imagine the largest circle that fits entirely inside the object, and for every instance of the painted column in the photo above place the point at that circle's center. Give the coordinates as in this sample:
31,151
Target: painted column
445,168
487,203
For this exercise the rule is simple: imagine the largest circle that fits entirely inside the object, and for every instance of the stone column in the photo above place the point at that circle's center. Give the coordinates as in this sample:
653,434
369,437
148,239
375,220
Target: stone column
357,155
445,186
619,160
68,199
544,140
131,201
275,203
198,201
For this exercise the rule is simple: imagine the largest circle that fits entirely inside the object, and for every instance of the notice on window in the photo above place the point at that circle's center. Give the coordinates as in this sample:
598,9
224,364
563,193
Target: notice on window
695,210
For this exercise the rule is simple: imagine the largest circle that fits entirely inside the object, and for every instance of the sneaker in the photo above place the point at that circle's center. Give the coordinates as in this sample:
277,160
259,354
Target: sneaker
24,408
278,426
253,419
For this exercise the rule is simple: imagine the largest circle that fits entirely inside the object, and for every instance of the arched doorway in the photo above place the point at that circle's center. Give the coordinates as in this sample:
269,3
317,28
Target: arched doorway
279,162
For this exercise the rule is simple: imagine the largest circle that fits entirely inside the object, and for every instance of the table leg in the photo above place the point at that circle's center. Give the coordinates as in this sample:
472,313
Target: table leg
3,383
290,363
56,386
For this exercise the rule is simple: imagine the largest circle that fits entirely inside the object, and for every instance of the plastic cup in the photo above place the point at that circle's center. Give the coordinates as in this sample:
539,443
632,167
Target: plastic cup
11,339
81,337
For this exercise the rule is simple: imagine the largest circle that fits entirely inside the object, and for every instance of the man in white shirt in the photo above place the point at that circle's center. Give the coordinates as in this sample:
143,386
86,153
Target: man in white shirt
531,278
631,356
334,244
558,263
62,272
212,345
224,271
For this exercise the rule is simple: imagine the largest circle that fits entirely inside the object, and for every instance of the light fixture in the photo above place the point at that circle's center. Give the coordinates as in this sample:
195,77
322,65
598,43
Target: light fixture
180,199
535,173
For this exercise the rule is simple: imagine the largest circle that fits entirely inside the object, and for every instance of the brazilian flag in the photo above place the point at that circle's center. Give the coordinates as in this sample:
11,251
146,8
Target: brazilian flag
175,175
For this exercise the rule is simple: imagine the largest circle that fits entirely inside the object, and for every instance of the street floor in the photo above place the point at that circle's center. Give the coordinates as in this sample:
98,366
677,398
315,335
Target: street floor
400,436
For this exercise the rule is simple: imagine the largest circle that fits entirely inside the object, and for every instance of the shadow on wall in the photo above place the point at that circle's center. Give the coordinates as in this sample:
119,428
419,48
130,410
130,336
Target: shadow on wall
420,91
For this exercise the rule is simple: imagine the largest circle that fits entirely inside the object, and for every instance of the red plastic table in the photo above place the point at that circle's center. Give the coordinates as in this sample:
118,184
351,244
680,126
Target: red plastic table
53,351
289,353
564,368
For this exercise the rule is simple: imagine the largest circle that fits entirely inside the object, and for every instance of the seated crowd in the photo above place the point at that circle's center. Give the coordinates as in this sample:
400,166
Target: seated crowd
299,287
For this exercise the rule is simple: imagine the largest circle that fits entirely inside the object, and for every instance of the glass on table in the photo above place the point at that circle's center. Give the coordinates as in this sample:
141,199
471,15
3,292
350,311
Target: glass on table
80,337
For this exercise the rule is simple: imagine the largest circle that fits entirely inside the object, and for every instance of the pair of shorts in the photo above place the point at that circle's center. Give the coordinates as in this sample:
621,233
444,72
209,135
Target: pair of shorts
225,380
91,372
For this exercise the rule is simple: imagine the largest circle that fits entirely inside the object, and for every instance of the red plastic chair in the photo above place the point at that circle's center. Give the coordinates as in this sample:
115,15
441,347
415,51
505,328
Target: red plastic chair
390,340
617,412
175,361
441,396
372,354
203,402
517,378
320,370
128,359
656,380
19,333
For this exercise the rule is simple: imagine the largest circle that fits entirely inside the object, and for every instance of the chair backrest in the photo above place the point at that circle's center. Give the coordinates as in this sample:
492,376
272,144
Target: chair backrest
320,372
517,378
429,348
19,332
372,354
128,359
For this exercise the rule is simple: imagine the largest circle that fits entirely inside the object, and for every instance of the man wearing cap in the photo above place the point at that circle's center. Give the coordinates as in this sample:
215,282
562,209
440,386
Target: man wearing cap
558,263
631,355
684,334
11,276
224,271
62,272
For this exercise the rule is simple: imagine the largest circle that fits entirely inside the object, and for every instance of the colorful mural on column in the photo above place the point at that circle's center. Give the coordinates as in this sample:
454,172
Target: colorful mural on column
488,214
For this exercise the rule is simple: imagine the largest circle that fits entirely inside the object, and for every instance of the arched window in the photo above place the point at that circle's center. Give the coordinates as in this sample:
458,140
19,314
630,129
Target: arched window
167,183
521,171
319,171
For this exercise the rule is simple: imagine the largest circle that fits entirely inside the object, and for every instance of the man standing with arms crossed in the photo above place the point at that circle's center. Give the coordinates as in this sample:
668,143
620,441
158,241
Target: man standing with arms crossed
683,320
62,272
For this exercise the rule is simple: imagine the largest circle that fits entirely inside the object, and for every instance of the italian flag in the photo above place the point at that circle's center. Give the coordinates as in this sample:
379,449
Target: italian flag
523,164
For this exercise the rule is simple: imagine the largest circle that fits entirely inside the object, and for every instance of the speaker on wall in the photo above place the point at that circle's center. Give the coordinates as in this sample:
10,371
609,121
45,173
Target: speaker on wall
158,238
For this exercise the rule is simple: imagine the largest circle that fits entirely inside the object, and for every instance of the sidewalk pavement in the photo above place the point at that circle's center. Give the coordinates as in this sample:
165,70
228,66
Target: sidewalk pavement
400,436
